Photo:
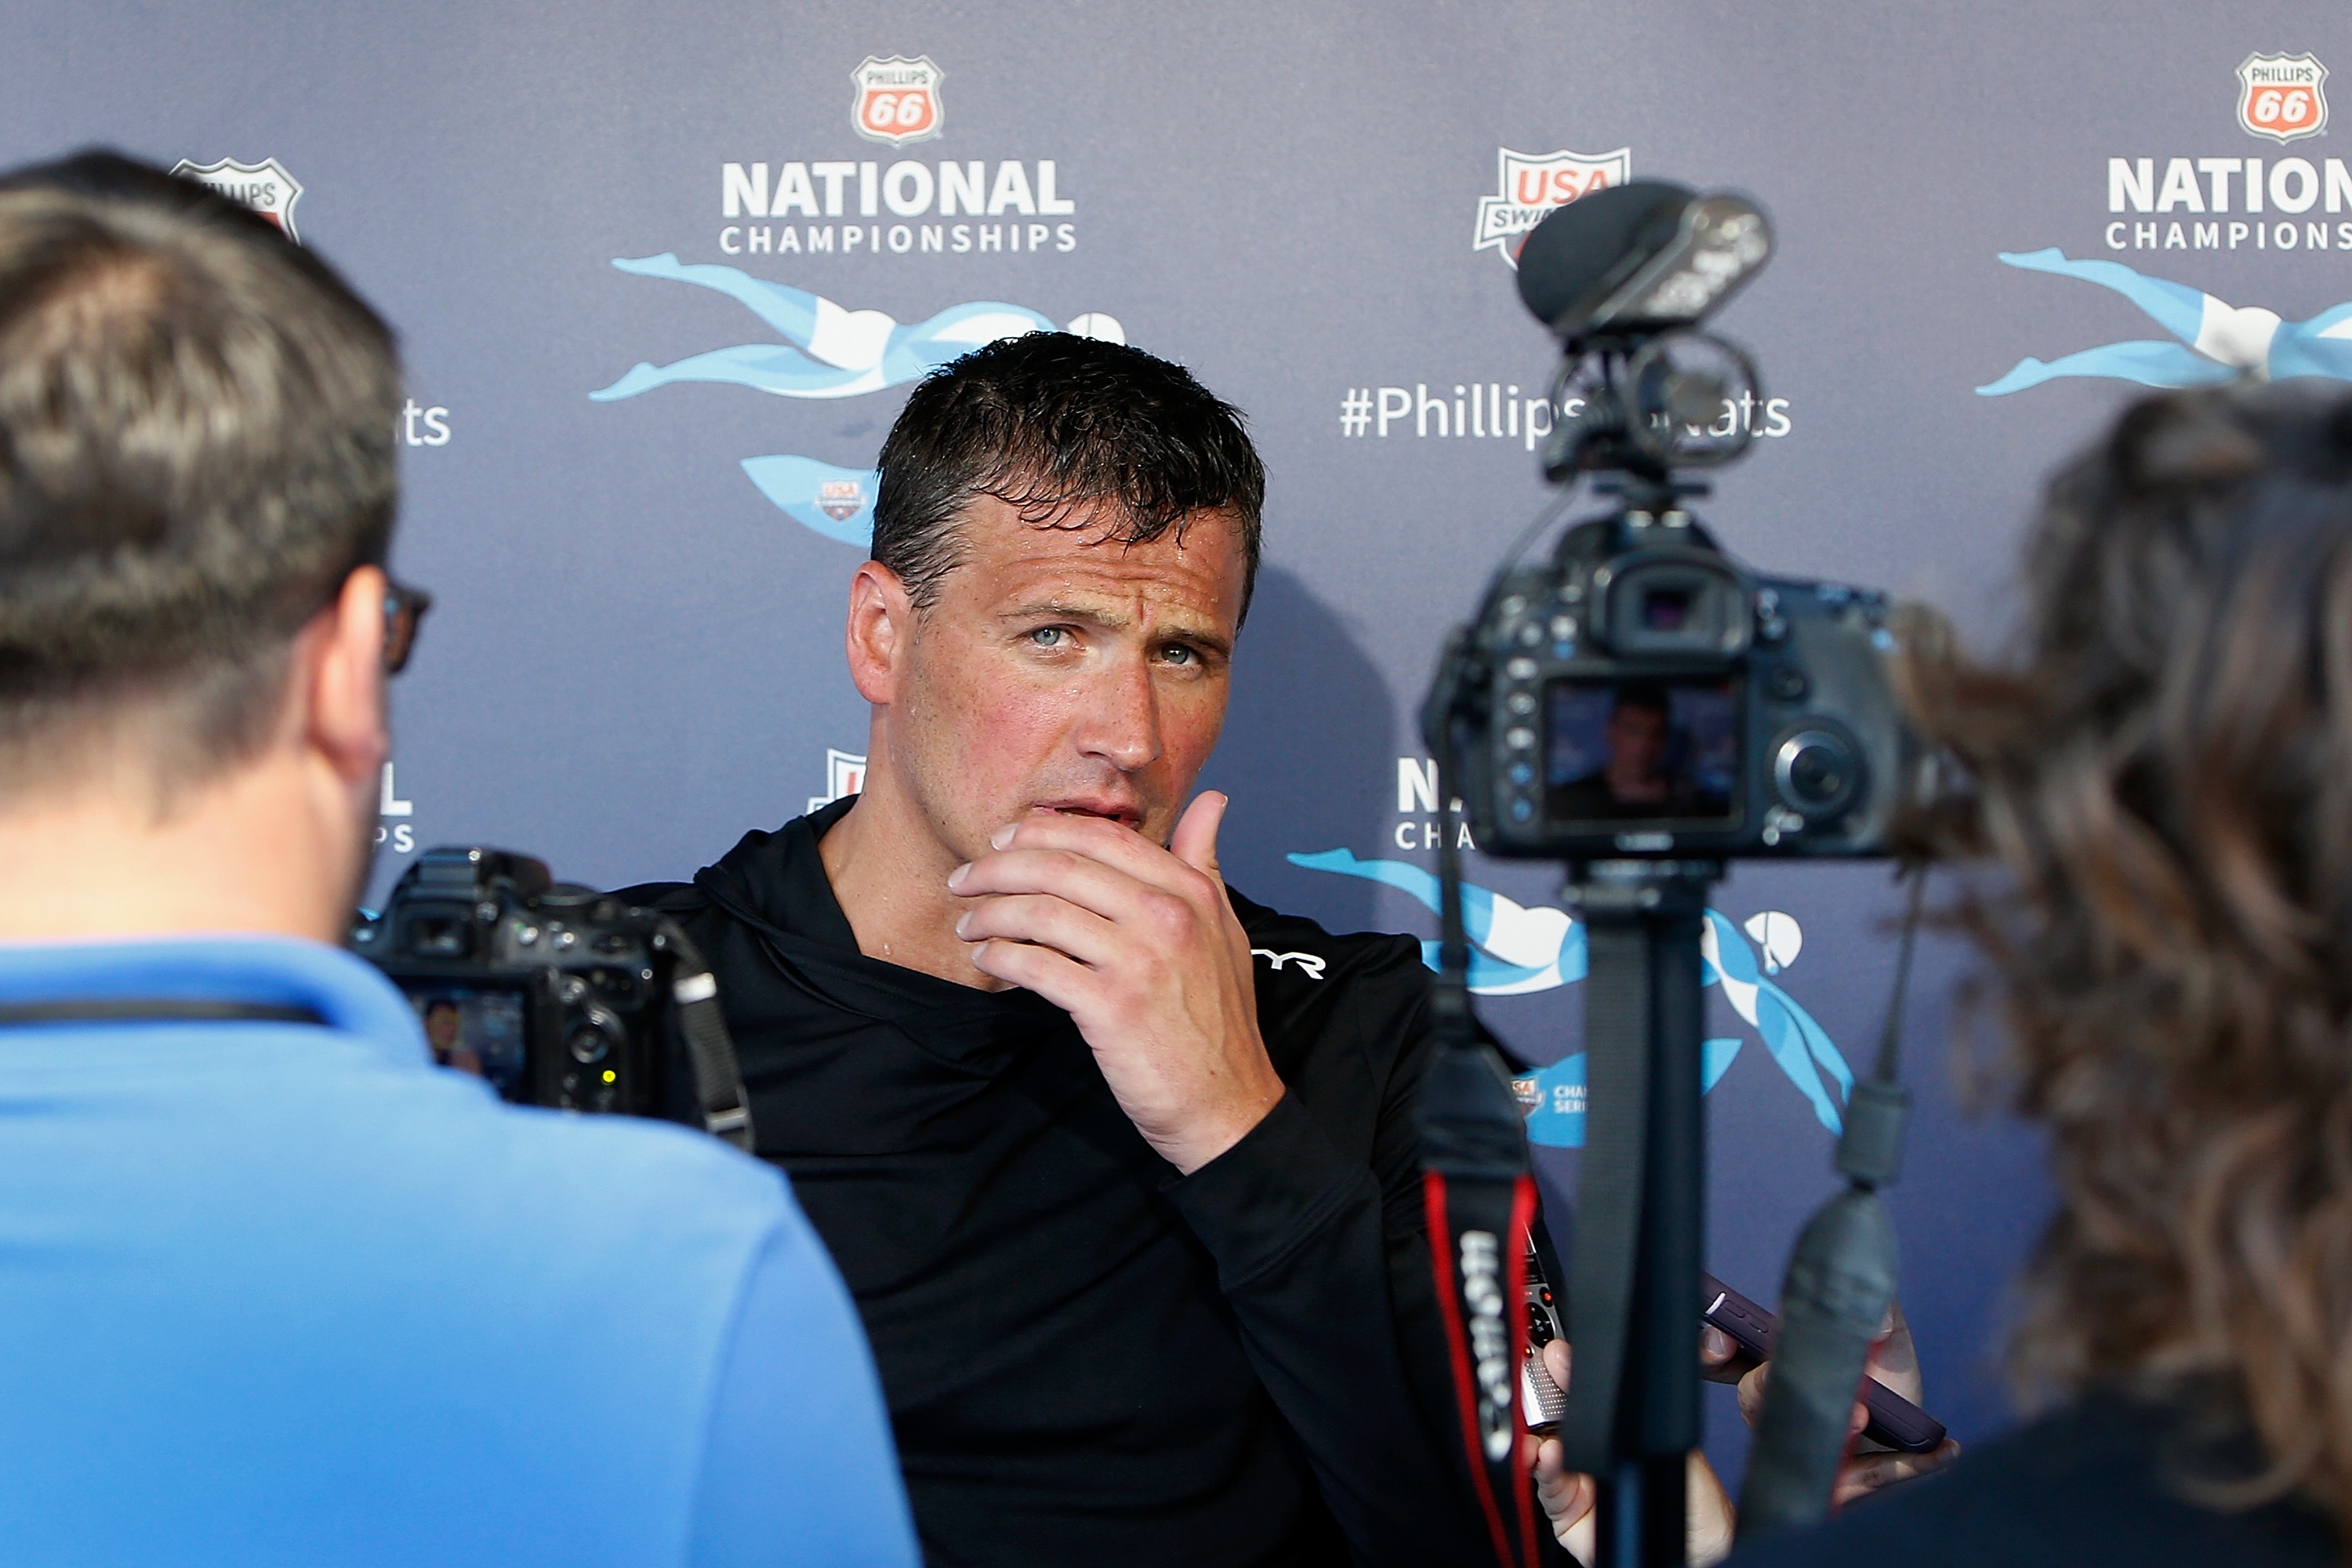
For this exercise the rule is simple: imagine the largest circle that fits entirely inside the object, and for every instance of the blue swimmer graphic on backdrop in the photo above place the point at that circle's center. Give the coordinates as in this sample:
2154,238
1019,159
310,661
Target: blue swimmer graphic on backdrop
828,352
1515,950
2218,342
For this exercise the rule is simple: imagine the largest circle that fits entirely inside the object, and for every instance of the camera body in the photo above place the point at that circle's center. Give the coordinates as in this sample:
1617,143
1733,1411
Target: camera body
555,994
1644,696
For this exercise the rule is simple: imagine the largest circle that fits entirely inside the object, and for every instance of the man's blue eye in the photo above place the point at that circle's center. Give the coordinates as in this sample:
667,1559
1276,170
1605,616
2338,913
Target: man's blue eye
1177,653
1049,636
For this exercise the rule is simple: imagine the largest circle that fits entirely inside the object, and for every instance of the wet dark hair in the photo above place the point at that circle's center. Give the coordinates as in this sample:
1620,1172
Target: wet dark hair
197,428
1052,423
2162,771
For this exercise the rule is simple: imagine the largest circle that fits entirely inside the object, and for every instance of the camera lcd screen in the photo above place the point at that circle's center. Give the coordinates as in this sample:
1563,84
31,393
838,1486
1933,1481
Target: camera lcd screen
474,1029
1663,752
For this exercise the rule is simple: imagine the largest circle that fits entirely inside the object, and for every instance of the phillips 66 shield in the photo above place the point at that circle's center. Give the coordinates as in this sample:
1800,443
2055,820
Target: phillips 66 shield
897,99
2283,97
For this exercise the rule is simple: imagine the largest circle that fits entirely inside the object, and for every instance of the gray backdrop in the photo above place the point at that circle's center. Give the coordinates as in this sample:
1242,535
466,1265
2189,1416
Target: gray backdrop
634,656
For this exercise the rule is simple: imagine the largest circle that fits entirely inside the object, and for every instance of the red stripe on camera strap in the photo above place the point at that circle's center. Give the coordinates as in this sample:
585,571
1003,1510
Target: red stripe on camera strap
1486,1476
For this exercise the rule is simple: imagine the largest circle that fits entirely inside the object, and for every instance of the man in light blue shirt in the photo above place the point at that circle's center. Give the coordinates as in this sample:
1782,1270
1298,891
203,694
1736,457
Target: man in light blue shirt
273,1287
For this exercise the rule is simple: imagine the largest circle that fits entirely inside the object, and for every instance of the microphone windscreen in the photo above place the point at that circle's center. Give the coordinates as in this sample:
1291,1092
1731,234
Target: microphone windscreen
1566,256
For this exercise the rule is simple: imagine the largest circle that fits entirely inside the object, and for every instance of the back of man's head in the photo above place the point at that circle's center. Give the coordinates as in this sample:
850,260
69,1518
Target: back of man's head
197,426
1055,425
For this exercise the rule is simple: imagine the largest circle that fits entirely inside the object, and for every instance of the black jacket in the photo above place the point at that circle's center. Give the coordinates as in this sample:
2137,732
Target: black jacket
2106,1483
1089,1359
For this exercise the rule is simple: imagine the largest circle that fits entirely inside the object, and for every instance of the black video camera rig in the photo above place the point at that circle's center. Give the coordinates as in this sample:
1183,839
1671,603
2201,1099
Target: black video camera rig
1642,707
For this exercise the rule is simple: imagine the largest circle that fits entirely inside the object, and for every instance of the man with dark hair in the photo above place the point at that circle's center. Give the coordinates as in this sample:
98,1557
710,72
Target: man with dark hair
1120,1166
276,1290
1637,779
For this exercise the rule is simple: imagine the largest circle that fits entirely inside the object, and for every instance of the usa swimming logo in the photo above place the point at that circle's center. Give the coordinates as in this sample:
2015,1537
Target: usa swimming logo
1529,185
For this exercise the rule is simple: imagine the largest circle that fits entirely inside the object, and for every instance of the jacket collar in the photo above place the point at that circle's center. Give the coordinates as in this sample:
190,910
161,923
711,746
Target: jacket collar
775,883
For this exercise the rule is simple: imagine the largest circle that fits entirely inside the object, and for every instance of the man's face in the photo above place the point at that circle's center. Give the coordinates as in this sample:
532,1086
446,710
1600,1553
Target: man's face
1637,740
1056,672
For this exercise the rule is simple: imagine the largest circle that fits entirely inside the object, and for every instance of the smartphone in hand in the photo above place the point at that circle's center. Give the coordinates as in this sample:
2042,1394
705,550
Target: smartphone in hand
1894,1421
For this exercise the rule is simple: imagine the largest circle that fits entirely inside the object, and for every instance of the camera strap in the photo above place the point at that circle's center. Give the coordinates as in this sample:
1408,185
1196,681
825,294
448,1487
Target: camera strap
1840,1282
154,1010
1478,1191
718,1077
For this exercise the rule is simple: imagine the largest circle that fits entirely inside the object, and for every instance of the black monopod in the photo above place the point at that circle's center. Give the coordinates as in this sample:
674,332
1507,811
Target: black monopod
1791,744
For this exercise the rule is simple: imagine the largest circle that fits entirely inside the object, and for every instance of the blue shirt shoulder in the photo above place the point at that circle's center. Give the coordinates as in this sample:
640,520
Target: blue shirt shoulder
281,1293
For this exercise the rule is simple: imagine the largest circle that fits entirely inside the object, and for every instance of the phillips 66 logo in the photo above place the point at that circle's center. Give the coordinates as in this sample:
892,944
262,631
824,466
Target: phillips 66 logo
266,187
897,99
2283,97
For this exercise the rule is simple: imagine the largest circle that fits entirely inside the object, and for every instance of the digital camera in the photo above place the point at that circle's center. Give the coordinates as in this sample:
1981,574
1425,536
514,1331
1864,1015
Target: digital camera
1641,695
557,994
1649,697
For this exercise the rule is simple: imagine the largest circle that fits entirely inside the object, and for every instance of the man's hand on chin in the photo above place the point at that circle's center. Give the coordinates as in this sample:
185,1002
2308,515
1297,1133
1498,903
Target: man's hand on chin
1139,946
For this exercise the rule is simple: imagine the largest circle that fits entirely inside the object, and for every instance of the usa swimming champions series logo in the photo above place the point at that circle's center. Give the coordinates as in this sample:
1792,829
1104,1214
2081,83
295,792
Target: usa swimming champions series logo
2260,206
806,208
1521,949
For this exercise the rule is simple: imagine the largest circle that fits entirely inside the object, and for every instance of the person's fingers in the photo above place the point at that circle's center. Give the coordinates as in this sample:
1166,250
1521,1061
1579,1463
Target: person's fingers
1711,1518
1720,1357
1867,1473
1111,842
1194,842
1042,918
1567,1498
1064,982
1895,1358
1558,1361
1751,1393
1088,881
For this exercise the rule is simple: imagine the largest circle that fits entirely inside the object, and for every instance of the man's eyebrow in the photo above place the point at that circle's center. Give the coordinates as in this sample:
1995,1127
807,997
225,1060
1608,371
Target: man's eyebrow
1116,621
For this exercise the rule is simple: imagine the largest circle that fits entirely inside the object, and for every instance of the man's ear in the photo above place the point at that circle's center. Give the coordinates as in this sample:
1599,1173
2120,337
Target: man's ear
881,629
339,674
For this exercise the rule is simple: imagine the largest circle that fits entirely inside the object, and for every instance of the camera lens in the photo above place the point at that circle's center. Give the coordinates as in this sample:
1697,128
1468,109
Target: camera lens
589,1043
